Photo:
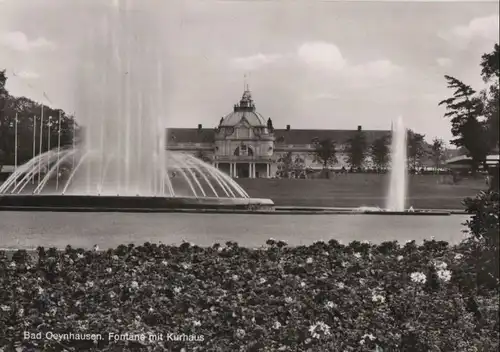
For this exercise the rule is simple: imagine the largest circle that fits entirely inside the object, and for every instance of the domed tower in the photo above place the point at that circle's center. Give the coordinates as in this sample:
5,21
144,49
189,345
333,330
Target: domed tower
244,144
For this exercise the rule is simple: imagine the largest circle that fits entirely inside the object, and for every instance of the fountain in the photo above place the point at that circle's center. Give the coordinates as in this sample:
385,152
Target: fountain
398,177
121,161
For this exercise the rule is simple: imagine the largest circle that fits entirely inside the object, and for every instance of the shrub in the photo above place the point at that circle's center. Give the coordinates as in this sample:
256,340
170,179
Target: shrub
484,244
317,298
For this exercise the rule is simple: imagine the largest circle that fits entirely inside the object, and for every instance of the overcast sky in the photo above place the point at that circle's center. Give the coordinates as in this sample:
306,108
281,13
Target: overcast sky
311,64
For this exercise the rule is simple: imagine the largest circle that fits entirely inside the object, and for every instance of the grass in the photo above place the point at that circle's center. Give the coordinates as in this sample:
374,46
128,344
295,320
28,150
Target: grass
354,190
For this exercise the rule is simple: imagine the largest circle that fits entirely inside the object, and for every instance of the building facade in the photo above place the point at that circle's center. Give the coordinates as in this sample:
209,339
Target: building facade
246,145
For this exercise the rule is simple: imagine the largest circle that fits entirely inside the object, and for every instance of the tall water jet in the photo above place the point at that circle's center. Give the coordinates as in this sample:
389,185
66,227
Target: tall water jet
396,197
120,104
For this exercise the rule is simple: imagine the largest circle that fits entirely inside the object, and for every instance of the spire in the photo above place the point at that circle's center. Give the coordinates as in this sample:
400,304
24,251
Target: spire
245,83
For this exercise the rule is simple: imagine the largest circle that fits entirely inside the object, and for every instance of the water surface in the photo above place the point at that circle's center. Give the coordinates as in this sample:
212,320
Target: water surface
32,229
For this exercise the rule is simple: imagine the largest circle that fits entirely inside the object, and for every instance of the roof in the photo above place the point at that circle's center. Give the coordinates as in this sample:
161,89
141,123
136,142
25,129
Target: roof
340,136
244,110
253,118
206,135
191,135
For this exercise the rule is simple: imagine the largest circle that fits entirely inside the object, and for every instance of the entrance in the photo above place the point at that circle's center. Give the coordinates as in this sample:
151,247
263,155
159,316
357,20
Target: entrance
243,170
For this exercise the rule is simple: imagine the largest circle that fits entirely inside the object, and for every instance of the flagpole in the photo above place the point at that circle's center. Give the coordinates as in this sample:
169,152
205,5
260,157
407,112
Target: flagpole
74,134
58,149
15,150
40,146
34,144
49,132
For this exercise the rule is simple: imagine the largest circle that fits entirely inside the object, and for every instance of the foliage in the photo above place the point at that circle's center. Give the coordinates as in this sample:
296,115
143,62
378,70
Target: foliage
322,297
485,229
356,150
379,152
437,152
290,164
325,152
465,110
491,97
415,149
26,111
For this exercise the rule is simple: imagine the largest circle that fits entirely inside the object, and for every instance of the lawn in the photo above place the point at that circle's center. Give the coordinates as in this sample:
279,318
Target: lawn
354,190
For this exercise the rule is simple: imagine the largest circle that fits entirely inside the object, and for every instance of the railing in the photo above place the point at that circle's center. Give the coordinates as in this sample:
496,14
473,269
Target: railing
261,158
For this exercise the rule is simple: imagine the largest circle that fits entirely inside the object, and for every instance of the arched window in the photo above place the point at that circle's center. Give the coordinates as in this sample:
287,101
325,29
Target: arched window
243,150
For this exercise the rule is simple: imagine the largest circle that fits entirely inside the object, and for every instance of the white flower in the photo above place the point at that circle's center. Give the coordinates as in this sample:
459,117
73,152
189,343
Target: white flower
418,277
109,270
309,260
330,305
134,284
20,312
276,325
112,295
12,265
164,262
288,300
177,289
5,308
326,254
357,255
151,310
444,275
370,336
196,323
307,341
344,264
114,257
235,277
317,328
79,256
458,256
20,290
440,265
262,280
89,284
240,333
302,284
400,258
186,265
362,281
378,298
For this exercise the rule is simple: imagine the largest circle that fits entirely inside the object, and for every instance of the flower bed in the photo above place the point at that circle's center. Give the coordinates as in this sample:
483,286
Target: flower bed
323,297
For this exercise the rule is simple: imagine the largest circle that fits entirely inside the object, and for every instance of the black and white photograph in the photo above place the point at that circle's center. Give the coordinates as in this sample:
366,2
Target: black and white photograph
249,175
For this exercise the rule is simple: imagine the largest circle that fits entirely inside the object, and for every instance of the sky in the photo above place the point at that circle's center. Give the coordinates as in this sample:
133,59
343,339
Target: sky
309,64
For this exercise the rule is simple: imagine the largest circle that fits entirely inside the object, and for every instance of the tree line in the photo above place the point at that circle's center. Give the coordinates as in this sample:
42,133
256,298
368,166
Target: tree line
357,151
27,111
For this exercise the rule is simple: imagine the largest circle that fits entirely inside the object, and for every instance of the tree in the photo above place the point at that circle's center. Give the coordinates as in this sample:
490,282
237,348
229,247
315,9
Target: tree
379,152
415,149
290,164
490,73
325,152
356,150
437,153
464,109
